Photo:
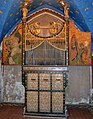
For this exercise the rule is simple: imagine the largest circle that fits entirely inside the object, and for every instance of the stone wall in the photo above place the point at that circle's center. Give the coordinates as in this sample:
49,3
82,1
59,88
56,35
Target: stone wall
1,78
13,88
78,89
1,85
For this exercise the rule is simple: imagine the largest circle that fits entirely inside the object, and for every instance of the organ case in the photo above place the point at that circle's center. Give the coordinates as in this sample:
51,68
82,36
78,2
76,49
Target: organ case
45,61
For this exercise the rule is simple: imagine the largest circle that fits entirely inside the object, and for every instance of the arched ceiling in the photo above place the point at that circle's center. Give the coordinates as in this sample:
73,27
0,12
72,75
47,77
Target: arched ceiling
81,11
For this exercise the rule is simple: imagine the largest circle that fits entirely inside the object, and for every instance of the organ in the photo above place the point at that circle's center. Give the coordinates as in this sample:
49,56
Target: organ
45,71
45,63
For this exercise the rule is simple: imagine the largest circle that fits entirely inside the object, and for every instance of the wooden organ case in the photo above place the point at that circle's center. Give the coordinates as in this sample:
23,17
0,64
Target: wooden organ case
45,62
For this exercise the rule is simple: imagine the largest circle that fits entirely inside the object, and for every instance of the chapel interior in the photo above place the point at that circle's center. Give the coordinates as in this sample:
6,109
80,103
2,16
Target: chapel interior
46,61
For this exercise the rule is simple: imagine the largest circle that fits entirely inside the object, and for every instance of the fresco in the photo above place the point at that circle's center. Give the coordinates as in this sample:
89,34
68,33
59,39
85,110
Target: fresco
79,46
12,47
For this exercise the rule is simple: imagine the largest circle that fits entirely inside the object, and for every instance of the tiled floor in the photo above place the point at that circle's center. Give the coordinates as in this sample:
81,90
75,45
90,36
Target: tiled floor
16,112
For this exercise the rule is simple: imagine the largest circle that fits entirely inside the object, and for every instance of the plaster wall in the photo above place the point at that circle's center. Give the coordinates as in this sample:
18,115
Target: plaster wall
78,89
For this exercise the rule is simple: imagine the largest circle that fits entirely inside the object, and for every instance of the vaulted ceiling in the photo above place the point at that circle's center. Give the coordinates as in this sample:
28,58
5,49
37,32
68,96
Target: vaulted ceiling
81,11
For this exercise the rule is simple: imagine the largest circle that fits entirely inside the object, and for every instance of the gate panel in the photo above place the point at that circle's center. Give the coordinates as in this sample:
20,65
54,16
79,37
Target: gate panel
32,81
57,102
44,101
44,81
57,81
32,101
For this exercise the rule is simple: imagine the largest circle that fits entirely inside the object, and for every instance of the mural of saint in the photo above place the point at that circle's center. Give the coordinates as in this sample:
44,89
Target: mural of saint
79,46
13,50
12,47
79,51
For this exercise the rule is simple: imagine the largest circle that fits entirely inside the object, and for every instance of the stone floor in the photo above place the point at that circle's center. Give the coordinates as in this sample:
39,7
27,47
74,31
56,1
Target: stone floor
16,112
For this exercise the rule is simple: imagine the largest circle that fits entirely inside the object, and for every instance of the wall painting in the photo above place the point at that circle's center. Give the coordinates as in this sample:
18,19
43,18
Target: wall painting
79,46
12,48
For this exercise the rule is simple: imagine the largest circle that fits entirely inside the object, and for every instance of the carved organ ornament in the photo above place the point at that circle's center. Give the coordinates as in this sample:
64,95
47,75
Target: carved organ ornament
53,35
52,29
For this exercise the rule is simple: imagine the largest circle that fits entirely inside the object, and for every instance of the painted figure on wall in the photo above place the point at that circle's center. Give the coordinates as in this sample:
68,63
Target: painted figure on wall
79,46
79,50
13,50
12,46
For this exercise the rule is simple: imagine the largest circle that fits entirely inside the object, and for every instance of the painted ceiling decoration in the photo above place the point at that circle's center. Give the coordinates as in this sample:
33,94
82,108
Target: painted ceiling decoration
81,11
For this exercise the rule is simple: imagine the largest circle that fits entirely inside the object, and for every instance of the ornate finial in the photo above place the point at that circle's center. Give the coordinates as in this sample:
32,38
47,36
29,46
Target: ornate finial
65,6
24,5
25,11
62,2
66,9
